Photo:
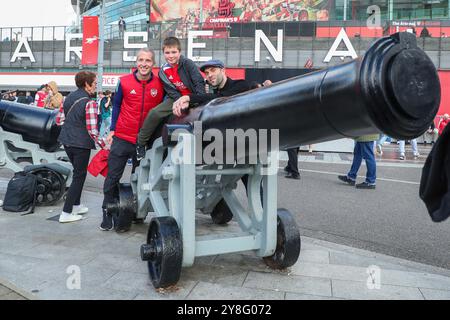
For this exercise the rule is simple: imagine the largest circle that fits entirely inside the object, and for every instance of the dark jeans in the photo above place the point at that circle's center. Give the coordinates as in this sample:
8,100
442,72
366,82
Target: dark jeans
292,165
99,122
120,152
79,158
153,120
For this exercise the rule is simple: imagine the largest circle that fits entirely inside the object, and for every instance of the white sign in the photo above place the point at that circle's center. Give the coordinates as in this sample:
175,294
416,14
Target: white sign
128,45
334,52
191,45
277,54
28,54
65,81
77,50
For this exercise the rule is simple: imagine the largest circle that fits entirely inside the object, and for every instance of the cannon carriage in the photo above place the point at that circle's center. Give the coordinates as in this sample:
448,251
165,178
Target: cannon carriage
393,89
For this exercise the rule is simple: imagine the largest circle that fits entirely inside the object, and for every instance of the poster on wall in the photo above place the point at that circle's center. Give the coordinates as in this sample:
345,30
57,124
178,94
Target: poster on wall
188,11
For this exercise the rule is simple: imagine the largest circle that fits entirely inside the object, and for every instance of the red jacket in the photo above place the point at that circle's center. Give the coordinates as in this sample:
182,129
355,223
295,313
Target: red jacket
137,99
99,163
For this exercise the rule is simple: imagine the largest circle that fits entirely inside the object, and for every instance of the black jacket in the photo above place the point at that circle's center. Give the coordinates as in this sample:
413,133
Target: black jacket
74,132
189,75
230,88
435,181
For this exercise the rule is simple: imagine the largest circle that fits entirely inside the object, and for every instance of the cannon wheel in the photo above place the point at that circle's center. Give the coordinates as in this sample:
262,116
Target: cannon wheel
163,252
288,242
127,208
51,186
221,213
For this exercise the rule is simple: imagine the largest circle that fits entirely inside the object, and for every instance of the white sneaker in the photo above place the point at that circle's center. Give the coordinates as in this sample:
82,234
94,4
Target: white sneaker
80,209
402,157
69,217
1,203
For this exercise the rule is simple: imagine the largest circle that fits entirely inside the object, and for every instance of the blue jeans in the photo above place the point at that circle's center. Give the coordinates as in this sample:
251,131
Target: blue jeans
382,139
104,128
364,150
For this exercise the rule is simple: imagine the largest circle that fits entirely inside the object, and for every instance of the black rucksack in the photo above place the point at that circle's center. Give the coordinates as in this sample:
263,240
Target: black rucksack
21,193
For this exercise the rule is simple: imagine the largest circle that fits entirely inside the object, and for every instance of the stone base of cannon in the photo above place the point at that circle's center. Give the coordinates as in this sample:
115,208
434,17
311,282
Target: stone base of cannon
53,171
176,191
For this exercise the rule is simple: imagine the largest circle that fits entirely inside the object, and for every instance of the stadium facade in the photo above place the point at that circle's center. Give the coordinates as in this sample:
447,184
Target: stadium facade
256,39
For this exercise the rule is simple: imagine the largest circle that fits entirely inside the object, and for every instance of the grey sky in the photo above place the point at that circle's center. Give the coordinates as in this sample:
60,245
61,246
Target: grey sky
27,13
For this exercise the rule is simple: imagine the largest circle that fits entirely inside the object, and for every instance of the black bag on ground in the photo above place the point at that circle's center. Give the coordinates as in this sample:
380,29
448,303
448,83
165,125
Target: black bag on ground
21,193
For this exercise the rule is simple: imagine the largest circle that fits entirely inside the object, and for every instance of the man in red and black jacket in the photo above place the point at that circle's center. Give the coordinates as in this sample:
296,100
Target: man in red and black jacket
135,96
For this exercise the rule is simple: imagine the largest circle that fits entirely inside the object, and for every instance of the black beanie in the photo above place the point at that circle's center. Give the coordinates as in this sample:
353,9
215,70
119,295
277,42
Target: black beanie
435,181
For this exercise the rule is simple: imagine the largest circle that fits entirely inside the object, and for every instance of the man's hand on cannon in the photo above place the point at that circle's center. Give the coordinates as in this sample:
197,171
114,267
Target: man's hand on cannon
180,105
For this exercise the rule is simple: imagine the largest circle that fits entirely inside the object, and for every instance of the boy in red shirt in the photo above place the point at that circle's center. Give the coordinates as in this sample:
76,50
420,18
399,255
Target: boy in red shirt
180,77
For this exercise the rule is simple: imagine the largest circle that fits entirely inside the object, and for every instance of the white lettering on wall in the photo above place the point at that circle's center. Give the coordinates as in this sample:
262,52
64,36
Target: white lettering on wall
191,45
334,52
277,54
128,45
77,50
27,54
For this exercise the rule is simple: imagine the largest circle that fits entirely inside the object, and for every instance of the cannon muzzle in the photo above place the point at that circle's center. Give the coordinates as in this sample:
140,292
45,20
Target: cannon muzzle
36,125
393,89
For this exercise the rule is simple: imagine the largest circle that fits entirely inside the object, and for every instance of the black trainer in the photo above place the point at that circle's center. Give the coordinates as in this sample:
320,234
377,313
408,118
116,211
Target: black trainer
107,223
292,175
140,152
365,185
346,179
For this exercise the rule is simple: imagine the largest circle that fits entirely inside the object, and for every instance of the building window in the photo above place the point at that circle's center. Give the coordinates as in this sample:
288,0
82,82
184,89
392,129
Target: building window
420,9
357,10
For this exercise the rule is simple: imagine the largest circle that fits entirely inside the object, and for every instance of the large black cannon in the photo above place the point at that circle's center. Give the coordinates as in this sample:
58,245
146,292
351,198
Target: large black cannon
35,125
393,89
29,134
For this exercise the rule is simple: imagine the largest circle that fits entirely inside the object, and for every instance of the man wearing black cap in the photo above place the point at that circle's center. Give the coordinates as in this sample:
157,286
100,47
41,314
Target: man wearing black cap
223,86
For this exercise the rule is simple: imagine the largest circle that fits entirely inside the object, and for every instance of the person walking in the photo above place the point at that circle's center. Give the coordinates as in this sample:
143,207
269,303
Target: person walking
292,166
105,113
364,146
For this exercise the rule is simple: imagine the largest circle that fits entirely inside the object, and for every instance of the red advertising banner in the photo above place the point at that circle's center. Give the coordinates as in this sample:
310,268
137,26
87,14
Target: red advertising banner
444,76
188,11
90,41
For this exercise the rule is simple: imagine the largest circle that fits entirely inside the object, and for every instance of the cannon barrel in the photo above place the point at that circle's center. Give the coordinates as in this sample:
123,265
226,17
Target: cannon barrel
36,125
393,89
